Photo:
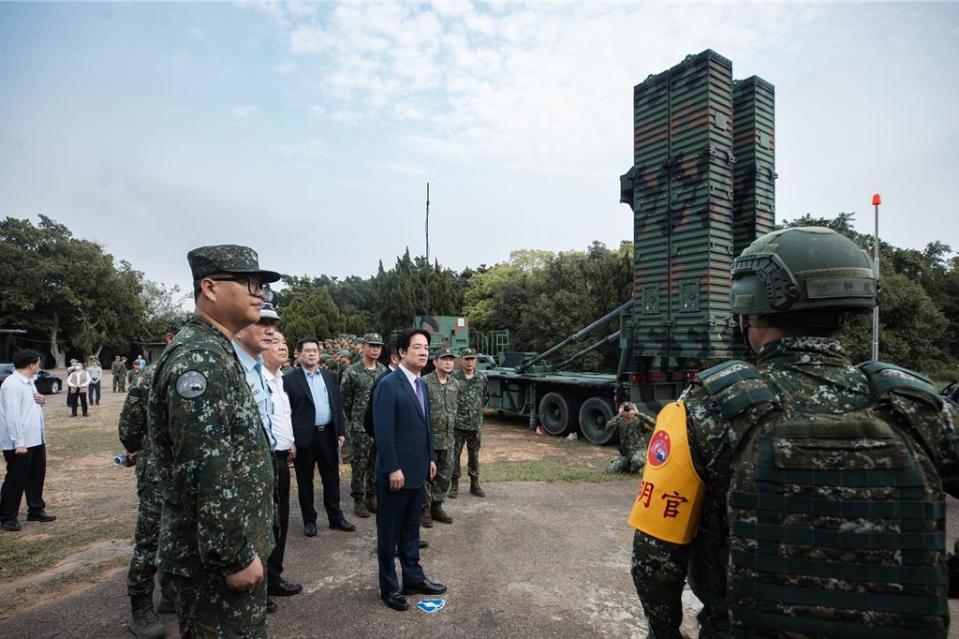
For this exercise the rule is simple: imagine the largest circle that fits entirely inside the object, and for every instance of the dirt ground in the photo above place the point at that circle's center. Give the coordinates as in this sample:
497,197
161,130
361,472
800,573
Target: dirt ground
532,559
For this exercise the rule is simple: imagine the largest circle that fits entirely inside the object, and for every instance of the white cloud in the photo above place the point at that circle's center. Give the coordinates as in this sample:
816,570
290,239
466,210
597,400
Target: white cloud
308,150
346,117
285,68
318,112
530,85
243,112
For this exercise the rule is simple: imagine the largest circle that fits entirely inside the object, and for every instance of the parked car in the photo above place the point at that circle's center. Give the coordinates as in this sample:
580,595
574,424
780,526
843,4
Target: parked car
48,383
45,381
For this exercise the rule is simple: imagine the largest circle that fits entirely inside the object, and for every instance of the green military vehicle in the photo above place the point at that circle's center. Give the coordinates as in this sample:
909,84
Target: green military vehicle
701,188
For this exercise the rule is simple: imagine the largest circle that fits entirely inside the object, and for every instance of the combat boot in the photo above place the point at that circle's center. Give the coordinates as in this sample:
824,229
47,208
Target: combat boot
427,520
371,503
359,508
475,488
438,514
454,488
167,597
144,623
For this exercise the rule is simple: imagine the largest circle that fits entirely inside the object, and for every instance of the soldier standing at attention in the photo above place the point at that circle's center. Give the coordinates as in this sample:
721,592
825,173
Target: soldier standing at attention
473,395
633,431
444,397
116,371
136,440
214,456
355,386
802,498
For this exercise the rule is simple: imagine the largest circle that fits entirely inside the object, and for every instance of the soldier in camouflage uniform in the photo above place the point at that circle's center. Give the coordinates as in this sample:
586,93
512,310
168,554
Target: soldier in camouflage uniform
116,371
444,400
143,569
633,431
473,396
355,387
213,453
803,498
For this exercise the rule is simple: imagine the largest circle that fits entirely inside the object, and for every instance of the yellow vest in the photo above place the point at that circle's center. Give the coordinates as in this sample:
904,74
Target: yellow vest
670,498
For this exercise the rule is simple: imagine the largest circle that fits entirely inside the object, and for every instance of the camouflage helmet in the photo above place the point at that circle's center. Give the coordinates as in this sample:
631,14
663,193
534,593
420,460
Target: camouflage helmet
802,270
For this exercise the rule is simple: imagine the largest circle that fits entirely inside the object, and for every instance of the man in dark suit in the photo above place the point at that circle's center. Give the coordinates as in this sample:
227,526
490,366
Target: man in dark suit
318,433
404,461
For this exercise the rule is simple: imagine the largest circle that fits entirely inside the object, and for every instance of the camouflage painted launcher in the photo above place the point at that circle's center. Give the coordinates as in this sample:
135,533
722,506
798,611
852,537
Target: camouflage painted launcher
683,187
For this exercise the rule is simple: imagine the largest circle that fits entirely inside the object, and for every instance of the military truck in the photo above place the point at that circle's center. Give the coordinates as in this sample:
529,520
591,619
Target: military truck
701,189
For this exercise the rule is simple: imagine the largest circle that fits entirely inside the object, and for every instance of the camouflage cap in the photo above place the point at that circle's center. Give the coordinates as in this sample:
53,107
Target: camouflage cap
443,352
227,258
373,339
267,311
344,353
468,353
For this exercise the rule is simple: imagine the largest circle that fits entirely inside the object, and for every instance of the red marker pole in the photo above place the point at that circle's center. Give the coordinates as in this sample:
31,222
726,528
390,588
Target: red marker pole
876,201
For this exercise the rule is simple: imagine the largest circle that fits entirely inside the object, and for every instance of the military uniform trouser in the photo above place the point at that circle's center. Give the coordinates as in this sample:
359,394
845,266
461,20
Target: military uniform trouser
437,487
472,440
631,464
143,565
208,609
361,464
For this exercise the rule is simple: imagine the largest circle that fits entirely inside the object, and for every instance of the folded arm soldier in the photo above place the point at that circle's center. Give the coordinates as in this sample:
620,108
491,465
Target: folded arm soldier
633,431
214,457
135,437
473,396
355,387
802,498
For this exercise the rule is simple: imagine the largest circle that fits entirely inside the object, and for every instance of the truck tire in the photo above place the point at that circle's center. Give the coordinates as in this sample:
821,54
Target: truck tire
557,413
593,415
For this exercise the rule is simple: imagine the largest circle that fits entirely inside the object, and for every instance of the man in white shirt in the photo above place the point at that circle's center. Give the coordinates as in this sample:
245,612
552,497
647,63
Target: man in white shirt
77,383
250,344
22,442
284,452
95,371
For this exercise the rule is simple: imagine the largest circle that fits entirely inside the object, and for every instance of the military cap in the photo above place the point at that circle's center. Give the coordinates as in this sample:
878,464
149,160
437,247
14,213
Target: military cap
344,353
443,352
468,353
227,258
267,311
373,339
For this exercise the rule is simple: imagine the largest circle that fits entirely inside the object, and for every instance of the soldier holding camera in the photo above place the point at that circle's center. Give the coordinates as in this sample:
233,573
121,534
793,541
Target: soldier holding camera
633,429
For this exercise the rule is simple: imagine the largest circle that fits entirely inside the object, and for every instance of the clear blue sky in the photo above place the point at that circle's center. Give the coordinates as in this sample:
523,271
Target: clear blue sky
309,131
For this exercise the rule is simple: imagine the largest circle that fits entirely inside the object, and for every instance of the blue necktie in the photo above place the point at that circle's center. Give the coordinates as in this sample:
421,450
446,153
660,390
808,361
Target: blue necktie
421,396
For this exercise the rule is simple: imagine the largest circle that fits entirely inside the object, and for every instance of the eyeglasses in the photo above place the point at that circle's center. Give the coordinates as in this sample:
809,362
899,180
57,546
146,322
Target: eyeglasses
254,284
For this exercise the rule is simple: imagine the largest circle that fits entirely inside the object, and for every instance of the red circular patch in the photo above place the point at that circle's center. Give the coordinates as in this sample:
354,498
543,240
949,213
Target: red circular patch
659,447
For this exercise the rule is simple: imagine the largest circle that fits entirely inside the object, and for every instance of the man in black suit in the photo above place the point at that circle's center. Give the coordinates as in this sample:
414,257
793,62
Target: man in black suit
404,461
318,433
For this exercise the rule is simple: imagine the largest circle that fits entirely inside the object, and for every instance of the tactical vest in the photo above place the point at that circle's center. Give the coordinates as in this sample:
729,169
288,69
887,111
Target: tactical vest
836,528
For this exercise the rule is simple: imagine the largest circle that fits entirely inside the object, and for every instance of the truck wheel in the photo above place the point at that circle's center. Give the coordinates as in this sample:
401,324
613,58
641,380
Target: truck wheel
593,415
557,414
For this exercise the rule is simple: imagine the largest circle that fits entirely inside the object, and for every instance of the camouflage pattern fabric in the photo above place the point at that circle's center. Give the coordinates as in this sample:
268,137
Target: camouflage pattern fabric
355,387
208,609
471,439
444,399
216,471
473,396
812,375
633,439
134,437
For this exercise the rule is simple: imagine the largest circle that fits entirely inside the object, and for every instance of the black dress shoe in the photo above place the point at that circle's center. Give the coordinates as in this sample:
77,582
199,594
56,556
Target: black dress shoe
270,606
342,524
40,516
11,524
283,588
309,529
395,600
425,587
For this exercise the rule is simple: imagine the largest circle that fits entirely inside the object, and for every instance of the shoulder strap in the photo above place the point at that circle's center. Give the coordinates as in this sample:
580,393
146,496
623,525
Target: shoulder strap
889,378
736,386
